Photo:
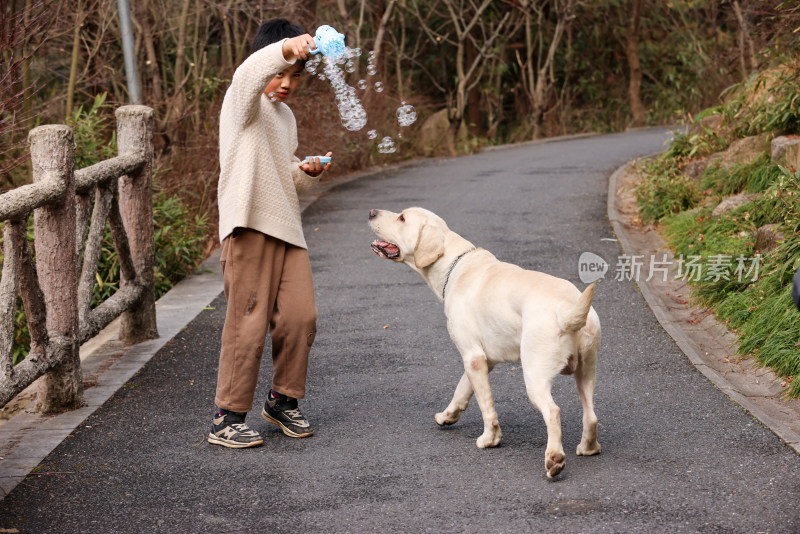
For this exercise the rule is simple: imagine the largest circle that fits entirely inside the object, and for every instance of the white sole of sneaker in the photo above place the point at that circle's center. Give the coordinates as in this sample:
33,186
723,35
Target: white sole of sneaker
232,444
286,430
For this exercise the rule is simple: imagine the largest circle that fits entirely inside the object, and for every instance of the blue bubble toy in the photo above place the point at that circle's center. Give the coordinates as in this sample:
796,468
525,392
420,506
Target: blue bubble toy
322,159
328,41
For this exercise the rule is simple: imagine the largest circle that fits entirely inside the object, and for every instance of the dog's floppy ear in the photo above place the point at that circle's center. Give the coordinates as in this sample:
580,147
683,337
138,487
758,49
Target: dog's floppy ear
430,246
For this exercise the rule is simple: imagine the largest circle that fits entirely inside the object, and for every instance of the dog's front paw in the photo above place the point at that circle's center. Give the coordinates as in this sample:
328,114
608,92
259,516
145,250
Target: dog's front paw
554,463
588,449
488,439
446,418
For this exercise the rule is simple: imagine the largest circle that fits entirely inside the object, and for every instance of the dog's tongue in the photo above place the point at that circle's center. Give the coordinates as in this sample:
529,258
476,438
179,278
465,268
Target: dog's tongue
385,249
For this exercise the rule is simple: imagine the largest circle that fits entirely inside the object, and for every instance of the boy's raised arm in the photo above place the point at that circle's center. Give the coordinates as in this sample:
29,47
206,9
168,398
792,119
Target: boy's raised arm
252,77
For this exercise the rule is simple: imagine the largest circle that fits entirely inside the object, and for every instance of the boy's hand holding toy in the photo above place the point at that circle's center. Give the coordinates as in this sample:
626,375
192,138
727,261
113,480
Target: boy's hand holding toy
298,47
314,165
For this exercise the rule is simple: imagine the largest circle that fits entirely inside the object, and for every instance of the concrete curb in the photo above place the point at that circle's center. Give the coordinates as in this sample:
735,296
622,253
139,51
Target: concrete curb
709,346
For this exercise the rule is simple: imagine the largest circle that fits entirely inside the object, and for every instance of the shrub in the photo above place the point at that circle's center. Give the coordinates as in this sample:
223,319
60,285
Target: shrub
664,190
753,177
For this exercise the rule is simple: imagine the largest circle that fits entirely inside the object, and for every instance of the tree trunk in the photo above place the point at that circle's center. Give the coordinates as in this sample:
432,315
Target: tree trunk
635,66
227,45
180,53
382,31
344,14
747,53
178,101
152,57
475,115
564,13
73,69
465,73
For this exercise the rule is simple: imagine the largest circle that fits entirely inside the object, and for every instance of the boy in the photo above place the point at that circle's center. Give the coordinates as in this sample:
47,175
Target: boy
265,265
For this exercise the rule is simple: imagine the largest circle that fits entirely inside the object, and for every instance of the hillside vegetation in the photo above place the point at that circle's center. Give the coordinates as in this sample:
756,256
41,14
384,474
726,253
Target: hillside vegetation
728,192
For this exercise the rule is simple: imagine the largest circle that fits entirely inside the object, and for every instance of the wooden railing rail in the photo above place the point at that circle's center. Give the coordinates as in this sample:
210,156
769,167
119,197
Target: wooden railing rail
71,209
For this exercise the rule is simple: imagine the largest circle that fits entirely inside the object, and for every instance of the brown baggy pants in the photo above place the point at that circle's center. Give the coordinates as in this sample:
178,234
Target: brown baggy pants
267,283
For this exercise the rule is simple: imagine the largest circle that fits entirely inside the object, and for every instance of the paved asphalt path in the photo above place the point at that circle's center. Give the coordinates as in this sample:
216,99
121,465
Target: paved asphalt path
678,456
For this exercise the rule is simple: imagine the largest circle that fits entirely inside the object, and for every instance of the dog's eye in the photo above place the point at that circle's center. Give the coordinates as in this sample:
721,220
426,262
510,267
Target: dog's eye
402,218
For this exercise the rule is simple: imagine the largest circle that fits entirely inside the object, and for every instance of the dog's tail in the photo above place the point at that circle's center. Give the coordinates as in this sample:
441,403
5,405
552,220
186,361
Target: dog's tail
575,318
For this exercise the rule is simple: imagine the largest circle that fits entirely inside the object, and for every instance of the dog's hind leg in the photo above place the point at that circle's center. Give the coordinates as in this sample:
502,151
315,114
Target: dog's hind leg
585,380
539,375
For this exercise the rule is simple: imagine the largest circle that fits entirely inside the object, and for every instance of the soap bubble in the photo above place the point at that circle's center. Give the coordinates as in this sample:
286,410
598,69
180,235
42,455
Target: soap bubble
362,84
312,64
386,146
350,66
321,76
372,70
379,87
406,114
356,52
351,111
272,97
372,134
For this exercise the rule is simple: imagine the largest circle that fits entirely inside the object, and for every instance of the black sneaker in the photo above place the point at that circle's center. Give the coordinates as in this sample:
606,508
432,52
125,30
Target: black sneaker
283,412
230,430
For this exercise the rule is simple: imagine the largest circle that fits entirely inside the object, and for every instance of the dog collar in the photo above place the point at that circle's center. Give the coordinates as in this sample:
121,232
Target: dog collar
453,266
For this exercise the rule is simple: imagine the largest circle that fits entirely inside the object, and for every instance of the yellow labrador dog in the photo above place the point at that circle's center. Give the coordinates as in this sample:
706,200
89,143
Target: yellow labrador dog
498,312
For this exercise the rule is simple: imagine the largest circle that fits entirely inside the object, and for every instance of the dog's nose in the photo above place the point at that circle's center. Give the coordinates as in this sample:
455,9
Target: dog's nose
373,214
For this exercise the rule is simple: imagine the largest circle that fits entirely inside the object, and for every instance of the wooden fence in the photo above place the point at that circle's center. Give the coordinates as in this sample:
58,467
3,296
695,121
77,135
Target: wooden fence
71,209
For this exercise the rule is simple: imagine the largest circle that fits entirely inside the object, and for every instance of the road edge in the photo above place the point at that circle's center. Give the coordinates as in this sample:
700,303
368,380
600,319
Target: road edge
685,338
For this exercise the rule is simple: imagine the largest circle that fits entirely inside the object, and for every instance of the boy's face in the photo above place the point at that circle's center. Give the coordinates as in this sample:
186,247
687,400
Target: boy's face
284,83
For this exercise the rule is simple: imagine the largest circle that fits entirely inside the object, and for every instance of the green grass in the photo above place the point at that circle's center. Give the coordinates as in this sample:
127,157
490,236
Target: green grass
726,241
664,191
758,307
754,177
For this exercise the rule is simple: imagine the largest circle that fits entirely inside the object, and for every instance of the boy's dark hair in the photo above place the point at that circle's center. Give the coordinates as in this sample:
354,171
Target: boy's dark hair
273,31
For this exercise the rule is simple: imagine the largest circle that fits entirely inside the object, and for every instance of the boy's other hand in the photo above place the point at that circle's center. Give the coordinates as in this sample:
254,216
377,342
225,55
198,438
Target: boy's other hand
314,167
297,47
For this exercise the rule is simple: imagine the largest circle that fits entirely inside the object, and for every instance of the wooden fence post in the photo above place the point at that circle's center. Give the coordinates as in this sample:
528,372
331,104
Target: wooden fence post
53,151
135,133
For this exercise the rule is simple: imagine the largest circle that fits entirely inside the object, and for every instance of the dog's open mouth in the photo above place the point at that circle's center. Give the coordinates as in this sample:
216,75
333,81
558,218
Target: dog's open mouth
385,249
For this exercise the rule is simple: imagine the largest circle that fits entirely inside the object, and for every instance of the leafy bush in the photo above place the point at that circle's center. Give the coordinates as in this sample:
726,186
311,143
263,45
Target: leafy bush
665,190
91,131
179,245
687,146
769,101
753,177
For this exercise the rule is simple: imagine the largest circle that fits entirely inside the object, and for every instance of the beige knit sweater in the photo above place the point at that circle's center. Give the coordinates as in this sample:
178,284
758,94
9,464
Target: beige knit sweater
259,174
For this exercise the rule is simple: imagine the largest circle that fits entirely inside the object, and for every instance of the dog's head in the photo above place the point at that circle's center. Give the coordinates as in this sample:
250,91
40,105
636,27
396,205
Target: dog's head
416,236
